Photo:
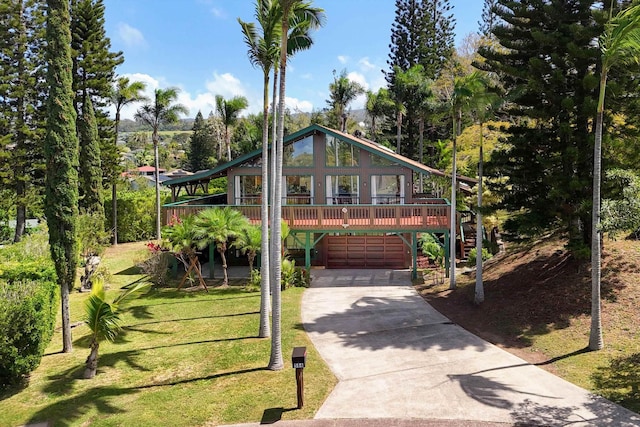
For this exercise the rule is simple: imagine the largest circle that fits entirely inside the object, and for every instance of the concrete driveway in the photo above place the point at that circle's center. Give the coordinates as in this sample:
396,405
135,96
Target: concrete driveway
397,357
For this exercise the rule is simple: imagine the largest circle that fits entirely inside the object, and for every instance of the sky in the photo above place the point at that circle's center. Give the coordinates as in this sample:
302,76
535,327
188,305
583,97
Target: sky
197,46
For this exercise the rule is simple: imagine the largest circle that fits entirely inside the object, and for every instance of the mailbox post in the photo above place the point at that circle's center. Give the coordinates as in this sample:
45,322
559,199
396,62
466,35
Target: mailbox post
299,360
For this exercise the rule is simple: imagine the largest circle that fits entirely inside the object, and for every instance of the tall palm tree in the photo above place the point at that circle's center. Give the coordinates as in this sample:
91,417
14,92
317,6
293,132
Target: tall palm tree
482,103
103,319
229,110
463,90
301,11
619,44
216,226
263,49
124,93
341,93
162,111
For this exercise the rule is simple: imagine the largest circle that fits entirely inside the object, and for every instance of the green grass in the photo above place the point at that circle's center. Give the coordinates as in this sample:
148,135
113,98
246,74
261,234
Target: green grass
183,359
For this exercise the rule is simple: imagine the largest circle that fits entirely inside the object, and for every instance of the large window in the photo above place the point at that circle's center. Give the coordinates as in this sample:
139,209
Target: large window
340,153
387,189
299,153
298,190
248,189
343,189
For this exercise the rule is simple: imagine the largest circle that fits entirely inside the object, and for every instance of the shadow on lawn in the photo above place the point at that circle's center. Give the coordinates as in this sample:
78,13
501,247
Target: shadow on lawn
67,411
187,319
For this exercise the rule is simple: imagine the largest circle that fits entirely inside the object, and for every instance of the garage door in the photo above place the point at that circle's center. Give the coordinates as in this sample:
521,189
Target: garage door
365,252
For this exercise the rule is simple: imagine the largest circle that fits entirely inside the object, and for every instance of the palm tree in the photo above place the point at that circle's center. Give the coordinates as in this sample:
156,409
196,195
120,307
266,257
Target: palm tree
619,44
229,110
341,93
263,49
248,242
124,93
182,239
301,11
216,226
103,319
379,104
461,97
163,110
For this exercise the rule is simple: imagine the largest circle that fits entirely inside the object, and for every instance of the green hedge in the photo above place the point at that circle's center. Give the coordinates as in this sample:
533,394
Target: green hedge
27,320
136,215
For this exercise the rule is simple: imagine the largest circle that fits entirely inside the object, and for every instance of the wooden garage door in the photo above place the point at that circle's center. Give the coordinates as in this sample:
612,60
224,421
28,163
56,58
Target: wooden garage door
365,252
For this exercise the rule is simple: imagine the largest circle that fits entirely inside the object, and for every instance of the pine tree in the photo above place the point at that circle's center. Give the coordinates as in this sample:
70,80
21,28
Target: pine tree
201,153
94,67
422,34
61,152
548,70
90,176
21,102
489,17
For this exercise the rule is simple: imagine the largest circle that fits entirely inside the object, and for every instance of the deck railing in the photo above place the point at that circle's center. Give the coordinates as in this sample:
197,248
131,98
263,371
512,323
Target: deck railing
419,217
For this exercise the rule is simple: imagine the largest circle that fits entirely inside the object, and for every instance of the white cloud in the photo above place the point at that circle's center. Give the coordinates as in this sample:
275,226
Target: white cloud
295,105
354,76
218,13
365,65
343,59
132,37
226,85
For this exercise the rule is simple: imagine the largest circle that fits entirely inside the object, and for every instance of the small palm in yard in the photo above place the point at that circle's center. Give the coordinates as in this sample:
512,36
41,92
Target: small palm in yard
182,239
249,242
103,319
216,226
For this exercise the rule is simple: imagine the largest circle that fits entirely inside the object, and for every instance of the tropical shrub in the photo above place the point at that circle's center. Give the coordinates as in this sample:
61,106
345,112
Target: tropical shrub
486,254
431,248
156,265
27,319
136,215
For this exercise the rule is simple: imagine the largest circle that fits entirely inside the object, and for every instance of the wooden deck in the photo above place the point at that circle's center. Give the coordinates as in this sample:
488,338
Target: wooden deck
419,217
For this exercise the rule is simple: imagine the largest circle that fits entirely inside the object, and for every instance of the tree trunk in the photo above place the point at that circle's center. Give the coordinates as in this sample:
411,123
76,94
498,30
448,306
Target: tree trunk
221,250
67,345
91,364
157,179
398,131
114,189
275,361
421,130
595,335
263,330
453,217
479,291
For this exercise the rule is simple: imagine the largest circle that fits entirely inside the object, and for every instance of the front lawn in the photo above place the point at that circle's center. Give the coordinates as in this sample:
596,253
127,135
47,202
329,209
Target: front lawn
184,359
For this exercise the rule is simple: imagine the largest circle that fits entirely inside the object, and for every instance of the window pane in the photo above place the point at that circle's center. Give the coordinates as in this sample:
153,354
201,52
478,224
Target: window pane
343,189
300,153
298,190
387,189
250,188
340,153
380,161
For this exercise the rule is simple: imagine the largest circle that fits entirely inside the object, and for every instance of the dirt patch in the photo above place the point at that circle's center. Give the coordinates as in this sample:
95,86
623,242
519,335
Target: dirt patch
538,288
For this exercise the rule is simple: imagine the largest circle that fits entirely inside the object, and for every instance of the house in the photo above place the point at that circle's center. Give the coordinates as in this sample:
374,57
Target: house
348,201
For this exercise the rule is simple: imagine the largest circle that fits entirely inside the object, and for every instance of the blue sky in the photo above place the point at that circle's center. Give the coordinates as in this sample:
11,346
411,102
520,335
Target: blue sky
197,46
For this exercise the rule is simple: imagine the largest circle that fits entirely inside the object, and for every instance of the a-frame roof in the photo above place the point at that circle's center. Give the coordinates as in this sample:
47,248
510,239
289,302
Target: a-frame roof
361,142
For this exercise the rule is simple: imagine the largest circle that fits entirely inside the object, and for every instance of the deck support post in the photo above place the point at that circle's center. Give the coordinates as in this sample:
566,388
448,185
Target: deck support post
307,251
446,254
414,254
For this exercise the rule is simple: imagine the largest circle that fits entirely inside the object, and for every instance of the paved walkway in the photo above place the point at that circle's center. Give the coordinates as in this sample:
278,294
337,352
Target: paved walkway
398,358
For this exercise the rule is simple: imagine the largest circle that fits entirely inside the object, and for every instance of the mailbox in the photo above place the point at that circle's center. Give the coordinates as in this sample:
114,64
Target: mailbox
299,357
